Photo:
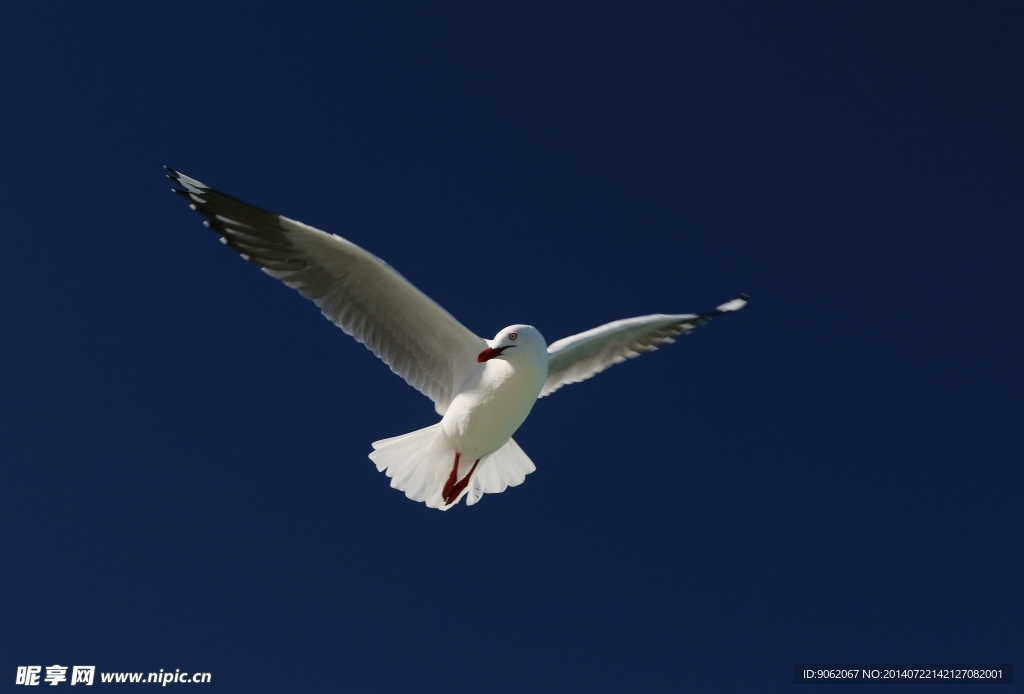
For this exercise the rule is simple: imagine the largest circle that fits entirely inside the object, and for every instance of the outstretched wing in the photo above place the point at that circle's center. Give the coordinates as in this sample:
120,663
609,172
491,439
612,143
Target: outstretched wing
577,358
357,291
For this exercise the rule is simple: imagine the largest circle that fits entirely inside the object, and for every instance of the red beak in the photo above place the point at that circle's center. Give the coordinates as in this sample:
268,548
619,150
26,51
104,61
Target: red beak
491,353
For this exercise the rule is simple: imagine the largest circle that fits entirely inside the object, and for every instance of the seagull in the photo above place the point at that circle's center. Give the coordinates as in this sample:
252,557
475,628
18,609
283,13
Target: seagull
482,389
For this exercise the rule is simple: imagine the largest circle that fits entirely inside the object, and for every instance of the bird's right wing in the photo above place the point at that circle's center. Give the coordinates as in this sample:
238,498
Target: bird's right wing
577,358
357,291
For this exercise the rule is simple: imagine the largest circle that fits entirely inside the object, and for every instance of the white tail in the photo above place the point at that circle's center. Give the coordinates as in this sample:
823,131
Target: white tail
506,467
420,462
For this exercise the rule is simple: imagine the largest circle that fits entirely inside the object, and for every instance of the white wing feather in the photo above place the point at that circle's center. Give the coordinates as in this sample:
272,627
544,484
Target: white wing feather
579,357
358,292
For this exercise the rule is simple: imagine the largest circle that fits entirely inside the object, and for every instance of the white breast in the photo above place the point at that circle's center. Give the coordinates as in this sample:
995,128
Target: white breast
493,404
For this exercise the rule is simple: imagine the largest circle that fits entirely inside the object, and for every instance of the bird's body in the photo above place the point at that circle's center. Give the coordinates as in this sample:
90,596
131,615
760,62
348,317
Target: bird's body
487,409
497,398
484,389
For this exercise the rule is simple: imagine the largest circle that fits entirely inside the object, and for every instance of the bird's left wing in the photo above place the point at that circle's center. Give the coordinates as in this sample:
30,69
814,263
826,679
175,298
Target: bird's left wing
357,291
577,358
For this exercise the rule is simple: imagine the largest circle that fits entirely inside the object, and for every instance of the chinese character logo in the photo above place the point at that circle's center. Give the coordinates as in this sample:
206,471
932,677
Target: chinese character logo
55,674
82,674
29,675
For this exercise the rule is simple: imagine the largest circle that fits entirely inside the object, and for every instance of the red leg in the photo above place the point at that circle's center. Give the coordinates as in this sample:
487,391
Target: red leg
452,478
457,489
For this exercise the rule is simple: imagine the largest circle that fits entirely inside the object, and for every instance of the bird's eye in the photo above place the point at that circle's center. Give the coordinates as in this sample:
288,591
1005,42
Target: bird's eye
513,336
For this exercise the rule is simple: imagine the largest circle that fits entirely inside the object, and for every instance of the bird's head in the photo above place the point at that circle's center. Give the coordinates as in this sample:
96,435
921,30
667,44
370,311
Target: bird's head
513,343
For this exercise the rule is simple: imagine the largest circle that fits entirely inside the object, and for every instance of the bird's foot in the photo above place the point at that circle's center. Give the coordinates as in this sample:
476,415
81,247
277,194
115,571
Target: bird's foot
452,479
451,488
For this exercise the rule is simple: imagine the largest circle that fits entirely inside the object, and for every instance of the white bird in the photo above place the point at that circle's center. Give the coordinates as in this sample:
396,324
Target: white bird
483,389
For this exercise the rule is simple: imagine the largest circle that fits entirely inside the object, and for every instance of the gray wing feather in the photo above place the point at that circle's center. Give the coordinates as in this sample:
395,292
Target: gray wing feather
579,357
358,292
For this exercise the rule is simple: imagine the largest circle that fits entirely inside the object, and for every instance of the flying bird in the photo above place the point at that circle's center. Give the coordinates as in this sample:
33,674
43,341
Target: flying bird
483,389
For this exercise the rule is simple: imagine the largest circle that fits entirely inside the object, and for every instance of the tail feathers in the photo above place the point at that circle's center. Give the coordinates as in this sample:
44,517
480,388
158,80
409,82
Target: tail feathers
506,467
388,452
420,462
417,463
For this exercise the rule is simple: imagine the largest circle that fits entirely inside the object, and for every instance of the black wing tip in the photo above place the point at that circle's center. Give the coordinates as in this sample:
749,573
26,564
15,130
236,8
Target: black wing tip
728,307
212,199
175,176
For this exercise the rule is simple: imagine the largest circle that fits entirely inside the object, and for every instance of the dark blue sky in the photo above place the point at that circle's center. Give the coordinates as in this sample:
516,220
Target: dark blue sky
831,475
